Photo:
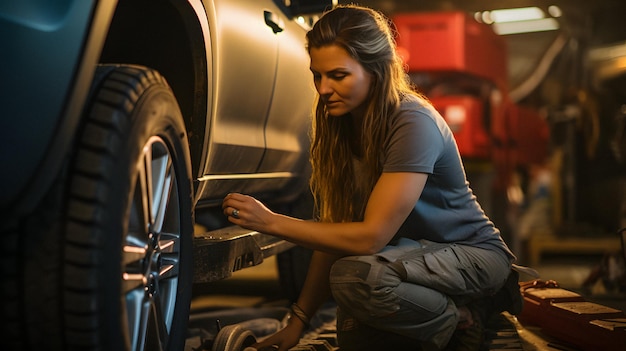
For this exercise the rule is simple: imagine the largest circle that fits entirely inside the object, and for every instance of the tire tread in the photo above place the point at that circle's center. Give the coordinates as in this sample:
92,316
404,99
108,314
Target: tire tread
101,141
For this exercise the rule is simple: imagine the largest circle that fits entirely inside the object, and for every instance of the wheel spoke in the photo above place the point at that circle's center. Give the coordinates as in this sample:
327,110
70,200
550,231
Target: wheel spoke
162,173
169,269
170,255
132,257
168,276
146,169
136,241
137,309
142,202
136,247
158,329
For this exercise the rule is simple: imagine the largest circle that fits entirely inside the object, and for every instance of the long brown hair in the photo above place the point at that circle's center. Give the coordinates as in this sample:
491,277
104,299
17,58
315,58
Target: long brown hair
367,36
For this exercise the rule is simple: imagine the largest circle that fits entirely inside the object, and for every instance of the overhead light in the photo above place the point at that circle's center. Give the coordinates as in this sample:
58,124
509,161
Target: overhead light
517,14
520,20
529,26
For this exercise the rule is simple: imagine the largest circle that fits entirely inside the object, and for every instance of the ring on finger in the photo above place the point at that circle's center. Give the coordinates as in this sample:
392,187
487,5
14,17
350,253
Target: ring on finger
235,213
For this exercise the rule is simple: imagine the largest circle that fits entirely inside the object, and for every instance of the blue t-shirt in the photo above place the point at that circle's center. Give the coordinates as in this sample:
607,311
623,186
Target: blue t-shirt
420,140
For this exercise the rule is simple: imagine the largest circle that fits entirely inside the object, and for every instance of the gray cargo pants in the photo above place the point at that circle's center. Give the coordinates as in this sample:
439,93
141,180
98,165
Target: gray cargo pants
413,288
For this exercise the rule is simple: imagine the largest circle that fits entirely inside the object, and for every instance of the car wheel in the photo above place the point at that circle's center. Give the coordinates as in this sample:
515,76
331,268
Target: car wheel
129,226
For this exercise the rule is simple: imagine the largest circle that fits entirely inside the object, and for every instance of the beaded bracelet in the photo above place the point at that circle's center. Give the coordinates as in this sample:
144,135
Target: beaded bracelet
298,312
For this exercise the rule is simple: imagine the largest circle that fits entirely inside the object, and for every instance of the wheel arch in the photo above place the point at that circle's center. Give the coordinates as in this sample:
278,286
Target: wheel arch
169,36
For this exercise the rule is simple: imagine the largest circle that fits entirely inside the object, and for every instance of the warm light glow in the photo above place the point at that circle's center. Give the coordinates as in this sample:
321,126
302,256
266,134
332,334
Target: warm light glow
455,115
540,25
486,17
555,11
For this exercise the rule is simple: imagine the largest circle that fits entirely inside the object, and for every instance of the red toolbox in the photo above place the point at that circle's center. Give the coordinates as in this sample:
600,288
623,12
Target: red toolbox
452,41
567,316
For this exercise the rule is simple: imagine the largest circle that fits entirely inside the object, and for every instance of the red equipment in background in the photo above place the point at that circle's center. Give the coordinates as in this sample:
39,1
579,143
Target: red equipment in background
452,41
461,66
463,113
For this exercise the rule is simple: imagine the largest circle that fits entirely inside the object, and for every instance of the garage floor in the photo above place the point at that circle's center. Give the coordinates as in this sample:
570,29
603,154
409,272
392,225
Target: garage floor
254,295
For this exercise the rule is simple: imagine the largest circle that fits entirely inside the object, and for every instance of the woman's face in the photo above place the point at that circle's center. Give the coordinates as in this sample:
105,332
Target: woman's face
341,81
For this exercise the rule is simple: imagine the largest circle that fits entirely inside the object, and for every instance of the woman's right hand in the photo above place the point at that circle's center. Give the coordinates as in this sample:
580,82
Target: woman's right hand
284,339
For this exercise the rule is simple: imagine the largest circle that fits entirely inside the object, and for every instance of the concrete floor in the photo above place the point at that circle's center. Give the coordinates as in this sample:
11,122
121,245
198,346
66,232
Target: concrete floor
257,288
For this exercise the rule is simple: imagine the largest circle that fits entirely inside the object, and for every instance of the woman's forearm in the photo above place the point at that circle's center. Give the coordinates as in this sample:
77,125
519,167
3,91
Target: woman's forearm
316,288
353,238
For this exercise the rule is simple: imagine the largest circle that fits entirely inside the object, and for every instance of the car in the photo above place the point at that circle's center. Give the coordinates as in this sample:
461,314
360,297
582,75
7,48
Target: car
125,123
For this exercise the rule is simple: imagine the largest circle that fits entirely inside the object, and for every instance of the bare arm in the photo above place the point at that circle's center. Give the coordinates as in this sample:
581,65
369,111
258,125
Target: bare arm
316,288
391,201
315,291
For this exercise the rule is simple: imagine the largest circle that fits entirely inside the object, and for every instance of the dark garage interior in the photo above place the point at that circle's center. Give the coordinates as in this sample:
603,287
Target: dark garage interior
129,123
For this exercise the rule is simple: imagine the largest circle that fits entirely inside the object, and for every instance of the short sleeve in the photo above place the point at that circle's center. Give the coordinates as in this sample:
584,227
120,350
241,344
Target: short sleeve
415,142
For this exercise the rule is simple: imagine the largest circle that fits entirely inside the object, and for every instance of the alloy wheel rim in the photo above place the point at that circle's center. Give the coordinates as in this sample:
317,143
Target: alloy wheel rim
151,249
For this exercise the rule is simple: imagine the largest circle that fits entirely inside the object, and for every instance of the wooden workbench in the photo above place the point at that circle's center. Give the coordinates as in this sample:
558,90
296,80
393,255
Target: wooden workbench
542,242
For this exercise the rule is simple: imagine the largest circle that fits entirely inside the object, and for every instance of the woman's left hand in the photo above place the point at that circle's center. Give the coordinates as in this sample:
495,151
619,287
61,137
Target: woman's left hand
246,212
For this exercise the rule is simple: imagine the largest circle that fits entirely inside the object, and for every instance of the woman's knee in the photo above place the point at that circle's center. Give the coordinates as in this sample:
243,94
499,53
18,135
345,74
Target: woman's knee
365,284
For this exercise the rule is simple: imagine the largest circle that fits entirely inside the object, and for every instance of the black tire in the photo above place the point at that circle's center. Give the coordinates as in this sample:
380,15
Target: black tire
127,272
31,284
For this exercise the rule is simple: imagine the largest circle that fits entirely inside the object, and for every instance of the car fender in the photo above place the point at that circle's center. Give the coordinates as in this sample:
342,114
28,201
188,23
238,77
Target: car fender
47,69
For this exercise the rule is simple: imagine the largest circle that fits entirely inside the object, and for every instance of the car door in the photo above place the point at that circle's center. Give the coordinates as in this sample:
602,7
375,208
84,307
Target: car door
290,112
244,64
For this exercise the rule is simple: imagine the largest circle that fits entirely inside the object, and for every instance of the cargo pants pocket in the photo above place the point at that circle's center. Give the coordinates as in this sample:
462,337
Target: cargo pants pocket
438,268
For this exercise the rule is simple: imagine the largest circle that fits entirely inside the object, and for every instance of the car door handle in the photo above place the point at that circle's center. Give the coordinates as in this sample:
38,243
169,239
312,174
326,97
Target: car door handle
273,22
